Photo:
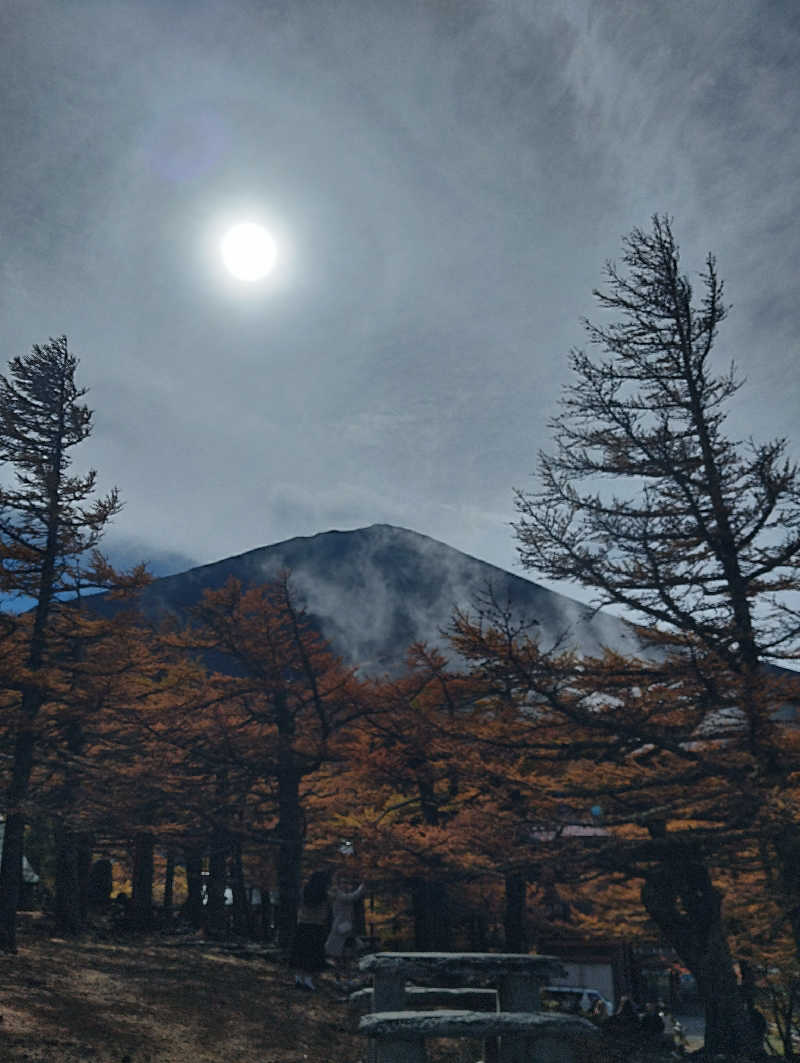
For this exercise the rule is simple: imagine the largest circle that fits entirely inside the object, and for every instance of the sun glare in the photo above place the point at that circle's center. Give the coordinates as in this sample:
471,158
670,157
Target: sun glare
248,251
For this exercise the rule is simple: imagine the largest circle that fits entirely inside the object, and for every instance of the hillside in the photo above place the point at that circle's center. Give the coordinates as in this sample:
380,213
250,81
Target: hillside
176,998
163,1000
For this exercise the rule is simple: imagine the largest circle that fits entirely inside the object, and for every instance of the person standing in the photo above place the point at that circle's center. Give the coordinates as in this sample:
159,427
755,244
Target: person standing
308,947
340,943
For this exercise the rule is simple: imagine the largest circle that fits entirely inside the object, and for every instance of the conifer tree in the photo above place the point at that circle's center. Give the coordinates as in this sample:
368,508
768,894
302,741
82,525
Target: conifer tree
697,535
647,501
404,784
51,522
285,697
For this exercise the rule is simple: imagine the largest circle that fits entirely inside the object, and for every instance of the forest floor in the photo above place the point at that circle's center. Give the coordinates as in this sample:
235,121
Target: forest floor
172,999
163,1000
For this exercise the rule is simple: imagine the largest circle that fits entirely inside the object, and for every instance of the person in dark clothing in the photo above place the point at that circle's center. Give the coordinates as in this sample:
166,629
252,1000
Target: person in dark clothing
624,1023
651,1023
308,947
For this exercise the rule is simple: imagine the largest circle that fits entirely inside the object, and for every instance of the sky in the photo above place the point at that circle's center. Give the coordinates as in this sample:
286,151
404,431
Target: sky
444,179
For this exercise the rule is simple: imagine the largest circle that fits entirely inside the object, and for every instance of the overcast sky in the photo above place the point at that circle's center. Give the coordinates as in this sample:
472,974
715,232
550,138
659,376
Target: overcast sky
445,180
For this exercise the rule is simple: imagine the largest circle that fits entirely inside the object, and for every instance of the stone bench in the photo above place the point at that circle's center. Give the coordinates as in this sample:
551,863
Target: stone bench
526,1037
516,976
470,998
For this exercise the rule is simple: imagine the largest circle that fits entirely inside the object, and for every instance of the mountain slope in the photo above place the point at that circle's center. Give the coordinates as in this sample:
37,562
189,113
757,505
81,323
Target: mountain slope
376,590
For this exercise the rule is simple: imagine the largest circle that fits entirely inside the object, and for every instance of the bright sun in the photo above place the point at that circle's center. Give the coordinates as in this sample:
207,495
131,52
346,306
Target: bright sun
248,251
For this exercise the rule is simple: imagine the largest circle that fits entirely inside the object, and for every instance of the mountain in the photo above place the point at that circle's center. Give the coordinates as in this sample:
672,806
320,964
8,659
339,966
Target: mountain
374,591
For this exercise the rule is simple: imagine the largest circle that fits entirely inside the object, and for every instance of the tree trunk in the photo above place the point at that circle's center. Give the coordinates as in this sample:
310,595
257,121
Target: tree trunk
84,843
68,908
268,909
515,923
194,887
13,842
73,865
290,851
100,884
290,827
169,886
73,858
431,910
241,907
479,931
143,881
786,869
216,929
681,899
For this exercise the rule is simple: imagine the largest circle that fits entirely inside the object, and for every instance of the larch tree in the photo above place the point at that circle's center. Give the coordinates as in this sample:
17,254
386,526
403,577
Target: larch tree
286,697
702,541
139,767
51,522
620,783
648,502
404,788
105,769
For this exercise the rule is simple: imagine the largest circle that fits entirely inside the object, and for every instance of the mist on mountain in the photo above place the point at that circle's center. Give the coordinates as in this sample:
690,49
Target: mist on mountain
374,591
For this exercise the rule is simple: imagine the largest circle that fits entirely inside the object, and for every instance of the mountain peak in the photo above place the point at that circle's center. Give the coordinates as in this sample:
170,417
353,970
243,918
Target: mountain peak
375,590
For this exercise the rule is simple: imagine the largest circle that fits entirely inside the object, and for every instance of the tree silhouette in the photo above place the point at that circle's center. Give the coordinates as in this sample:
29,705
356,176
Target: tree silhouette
51,523
649,503
285,697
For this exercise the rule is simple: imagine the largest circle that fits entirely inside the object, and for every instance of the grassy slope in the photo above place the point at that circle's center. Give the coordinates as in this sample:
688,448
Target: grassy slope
162,1002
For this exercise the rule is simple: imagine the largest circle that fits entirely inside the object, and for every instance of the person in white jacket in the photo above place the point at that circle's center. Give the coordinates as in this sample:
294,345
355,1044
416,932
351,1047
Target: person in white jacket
340,943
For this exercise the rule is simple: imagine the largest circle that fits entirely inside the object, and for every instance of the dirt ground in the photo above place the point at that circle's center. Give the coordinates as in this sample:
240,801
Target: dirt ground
174,999
163,1000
